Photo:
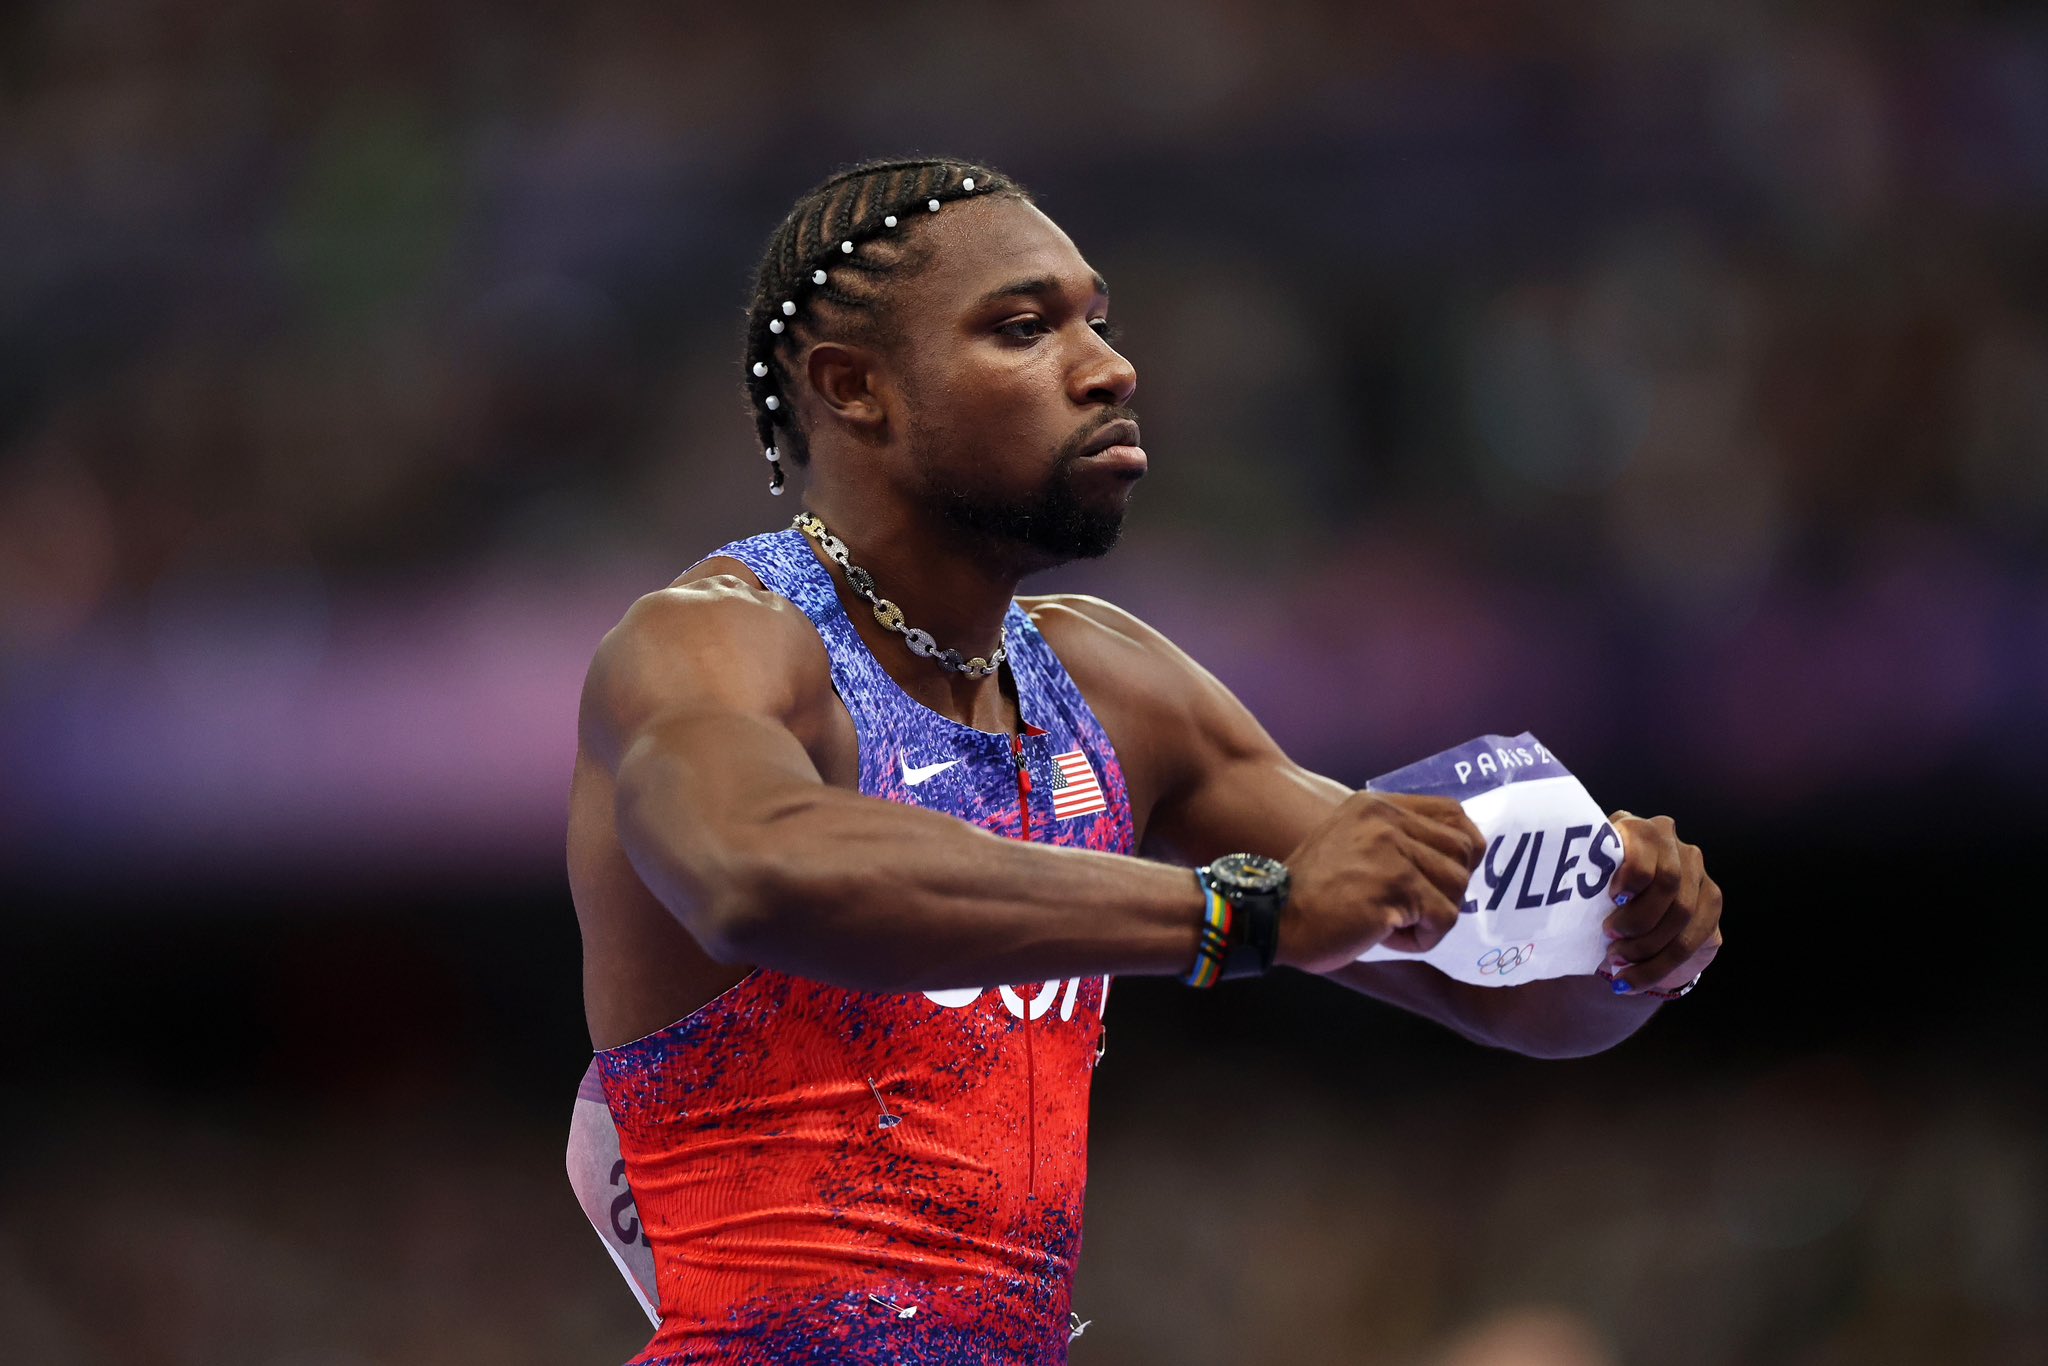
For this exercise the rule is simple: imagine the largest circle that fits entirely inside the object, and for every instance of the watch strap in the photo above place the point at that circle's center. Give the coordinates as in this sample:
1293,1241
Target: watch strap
1257,940
1212,944
1239,935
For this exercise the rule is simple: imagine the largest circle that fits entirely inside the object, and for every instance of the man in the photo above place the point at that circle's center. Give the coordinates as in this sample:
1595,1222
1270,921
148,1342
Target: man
838,790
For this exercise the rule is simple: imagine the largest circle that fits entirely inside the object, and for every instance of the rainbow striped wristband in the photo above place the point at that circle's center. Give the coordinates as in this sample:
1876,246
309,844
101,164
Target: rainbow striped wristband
1217,918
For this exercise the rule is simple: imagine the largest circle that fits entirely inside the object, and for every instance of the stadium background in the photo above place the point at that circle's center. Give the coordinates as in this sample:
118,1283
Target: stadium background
1670,380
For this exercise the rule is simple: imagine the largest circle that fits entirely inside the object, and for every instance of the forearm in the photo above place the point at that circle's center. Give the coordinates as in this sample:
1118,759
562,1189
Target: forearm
878,896
1562,1017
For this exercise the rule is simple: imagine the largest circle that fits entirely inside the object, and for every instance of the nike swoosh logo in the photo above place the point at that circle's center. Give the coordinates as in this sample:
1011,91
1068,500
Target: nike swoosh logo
913,776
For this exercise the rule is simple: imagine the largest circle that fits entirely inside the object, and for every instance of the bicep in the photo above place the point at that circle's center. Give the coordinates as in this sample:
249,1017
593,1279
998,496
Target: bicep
692,704
702,774
1236,789
1206,777
712,650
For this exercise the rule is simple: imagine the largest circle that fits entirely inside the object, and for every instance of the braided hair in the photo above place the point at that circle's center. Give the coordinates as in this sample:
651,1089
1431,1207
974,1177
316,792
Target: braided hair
825,271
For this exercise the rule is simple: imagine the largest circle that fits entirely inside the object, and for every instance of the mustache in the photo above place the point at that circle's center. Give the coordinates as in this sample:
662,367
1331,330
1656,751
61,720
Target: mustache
1070,449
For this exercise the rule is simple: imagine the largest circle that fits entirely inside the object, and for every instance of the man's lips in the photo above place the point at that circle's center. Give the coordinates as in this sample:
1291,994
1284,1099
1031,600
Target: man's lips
1116,449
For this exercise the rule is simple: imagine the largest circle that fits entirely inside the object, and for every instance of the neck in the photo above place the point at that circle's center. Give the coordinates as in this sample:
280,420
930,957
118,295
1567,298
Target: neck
946,585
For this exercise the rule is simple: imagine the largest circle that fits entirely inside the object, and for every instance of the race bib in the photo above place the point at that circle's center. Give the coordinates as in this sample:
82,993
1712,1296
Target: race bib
598,1175
1535,906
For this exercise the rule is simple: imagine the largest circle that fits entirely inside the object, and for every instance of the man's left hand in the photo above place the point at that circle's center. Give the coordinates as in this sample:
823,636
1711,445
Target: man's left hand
1666,923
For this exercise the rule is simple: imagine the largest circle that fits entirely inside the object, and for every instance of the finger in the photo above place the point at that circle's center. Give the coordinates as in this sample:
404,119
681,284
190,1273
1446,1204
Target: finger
1435,915
1687,955
1638,854
1682,912
1649,876
1445,872
1447,828
1674,967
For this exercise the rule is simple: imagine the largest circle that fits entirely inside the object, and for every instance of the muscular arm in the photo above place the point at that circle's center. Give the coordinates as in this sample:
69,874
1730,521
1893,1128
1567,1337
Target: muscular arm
1222,784
696,704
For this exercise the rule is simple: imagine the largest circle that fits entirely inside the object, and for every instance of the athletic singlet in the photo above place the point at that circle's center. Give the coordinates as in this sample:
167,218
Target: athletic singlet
792,1218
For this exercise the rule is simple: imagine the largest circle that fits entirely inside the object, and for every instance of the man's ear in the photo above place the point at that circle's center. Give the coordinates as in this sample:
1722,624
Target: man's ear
848,381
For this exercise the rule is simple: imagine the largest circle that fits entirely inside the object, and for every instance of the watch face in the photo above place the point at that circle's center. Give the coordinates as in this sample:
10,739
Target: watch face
1250,872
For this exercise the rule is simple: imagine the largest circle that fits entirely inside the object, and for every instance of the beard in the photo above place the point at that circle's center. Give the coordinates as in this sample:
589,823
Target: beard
1051,523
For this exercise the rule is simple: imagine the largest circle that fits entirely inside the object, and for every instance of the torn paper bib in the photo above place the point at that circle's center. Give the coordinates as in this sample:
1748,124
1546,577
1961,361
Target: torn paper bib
597,1172
1534,908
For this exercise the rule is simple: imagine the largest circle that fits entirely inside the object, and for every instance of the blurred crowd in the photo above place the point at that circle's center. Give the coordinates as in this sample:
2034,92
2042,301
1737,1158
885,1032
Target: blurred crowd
1674,295
1692,357
1574,367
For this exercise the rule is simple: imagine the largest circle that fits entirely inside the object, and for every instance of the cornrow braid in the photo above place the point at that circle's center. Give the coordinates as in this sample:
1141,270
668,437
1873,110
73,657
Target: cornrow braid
825,272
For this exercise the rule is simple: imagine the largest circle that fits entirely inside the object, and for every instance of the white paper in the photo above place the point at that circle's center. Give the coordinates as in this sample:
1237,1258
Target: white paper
598,1174
1535,907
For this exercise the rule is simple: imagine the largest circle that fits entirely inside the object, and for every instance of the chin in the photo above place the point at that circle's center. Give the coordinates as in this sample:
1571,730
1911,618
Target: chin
1088,539
1101,540
1059,526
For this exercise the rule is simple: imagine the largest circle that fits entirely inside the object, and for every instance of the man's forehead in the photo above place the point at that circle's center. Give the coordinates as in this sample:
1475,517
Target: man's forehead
1003,246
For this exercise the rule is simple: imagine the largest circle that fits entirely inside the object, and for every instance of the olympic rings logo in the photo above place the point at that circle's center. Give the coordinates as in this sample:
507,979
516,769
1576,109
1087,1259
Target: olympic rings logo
1505,961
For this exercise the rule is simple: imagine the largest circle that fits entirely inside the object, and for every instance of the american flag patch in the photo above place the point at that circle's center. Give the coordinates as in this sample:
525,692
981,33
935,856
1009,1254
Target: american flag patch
1075,792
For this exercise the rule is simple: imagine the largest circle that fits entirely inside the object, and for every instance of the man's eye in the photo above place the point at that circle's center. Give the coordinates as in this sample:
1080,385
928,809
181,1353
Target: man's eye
1031,327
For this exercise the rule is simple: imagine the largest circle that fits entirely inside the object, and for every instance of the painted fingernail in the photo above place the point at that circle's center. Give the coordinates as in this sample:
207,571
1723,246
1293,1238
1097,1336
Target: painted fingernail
1622,988
1621,898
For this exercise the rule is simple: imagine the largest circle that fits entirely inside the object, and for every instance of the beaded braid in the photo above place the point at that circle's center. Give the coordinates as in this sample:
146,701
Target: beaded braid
824,270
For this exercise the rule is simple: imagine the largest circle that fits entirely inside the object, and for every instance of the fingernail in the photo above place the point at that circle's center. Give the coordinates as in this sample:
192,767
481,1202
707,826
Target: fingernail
1621,988
1621,898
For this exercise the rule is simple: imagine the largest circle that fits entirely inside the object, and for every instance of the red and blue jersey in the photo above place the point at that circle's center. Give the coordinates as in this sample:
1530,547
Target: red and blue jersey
842,1176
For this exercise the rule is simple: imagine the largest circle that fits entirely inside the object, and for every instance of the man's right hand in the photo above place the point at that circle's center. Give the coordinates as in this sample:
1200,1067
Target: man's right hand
1384,869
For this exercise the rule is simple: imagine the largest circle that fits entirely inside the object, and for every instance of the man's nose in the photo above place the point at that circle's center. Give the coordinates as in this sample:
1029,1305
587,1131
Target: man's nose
1105,376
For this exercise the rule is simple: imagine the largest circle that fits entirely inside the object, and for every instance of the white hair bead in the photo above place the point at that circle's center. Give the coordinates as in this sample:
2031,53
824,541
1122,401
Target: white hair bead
846,247
890,221
771,403
932,204
817,277
968,183
760,368
770,453
788,309
775,324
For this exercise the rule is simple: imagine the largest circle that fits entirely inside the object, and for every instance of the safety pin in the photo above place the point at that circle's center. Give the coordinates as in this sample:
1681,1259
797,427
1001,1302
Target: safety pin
907,1311
887,1120
1076,1325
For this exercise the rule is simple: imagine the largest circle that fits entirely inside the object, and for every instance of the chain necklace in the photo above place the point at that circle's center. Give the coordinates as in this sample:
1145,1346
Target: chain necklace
889,614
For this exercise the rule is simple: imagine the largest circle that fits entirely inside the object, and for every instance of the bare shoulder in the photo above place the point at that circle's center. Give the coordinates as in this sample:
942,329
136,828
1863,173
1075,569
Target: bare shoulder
713,639
1109,649
1060,611
1136,669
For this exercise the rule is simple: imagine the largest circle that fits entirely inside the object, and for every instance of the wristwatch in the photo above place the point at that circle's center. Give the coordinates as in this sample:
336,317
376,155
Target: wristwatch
1242,898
